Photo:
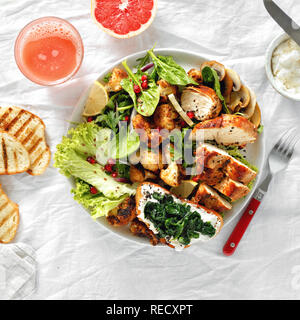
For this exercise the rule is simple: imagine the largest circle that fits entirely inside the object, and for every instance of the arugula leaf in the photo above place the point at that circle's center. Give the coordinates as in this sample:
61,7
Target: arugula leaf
110,120
170,71
148,100
143,61
211,79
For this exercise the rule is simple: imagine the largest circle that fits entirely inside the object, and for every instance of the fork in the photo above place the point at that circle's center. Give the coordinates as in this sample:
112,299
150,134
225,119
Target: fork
278,159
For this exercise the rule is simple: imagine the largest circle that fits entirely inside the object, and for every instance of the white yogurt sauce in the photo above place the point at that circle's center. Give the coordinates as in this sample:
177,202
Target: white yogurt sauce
206,217
286,66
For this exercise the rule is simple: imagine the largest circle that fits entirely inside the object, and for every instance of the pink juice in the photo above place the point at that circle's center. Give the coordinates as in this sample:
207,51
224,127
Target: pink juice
49,51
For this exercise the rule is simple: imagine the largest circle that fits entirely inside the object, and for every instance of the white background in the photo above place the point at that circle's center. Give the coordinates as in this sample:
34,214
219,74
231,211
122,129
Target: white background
77,258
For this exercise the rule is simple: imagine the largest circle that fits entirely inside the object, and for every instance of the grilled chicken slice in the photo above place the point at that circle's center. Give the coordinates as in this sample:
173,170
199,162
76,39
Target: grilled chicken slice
208,197
202,100
232,189
228,129
165,89
123,213
211,176
209,156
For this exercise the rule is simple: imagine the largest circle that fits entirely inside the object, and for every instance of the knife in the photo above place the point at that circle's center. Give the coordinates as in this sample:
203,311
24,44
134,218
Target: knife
284,21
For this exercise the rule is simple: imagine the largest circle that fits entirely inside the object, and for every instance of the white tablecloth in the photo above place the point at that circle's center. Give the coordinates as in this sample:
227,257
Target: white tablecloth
77,258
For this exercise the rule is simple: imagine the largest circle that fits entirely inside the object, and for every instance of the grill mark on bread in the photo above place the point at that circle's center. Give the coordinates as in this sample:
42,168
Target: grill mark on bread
6,218
4,205
34,146
29,135
39,158
8,126
5,115
4,154
24,125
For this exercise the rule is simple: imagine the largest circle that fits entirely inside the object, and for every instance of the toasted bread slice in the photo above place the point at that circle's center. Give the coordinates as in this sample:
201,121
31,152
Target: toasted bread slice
9,218
143,195
29,129
13,156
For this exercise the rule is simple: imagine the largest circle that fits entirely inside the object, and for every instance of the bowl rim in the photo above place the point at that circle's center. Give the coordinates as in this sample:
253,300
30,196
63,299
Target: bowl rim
166,50
268,65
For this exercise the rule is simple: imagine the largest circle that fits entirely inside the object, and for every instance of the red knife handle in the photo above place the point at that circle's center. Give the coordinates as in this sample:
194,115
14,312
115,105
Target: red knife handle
240,228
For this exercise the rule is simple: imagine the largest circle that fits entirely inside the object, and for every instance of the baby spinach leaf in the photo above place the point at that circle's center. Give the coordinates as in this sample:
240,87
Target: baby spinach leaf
170,71
148,99
211,79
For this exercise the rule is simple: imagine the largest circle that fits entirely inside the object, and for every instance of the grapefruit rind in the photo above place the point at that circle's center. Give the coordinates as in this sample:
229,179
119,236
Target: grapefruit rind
131,33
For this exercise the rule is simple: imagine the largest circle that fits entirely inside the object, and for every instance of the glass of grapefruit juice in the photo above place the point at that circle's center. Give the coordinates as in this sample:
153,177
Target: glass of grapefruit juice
49,51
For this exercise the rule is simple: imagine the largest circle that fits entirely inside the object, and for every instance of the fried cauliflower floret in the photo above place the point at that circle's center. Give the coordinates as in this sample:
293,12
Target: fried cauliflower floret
165,89
171,175
145,130
165,117
140,175
195,75
138,228
123,213
114,83
151,160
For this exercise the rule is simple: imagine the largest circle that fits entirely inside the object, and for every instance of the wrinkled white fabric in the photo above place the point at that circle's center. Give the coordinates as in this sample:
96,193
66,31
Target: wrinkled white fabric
18,271
77,258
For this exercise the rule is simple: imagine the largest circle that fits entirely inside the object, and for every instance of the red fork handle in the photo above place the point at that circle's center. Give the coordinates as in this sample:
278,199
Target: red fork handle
241,227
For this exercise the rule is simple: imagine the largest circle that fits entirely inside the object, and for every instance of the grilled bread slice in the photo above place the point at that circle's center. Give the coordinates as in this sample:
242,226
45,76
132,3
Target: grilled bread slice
29,129
13,156
9,218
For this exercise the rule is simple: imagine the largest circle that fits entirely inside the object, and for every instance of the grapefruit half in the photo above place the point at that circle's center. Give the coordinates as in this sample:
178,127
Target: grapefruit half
124,18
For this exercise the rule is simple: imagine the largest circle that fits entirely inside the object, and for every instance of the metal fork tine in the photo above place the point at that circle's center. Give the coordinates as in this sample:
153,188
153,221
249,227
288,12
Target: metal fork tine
280,144
291,149
288,142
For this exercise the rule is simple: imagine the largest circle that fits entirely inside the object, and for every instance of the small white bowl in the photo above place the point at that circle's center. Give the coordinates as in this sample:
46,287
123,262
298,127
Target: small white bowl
268,65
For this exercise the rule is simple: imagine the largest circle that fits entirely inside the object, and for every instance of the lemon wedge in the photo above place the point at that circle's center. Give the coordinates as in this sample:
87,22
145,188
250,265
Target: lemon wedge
97,100
184,189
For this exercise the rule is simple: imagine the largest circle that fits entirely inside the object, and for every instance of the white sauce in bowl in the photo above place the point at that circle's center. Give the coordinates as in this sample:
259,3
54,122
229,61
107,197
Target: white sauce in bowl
286,66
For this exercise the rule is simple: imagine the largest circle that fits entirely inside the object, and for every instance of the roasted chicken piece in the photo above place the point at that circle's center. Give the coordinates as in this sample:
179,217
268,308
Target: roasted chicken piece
208,197
211,157
165,89
195,75
202,101
171,175
210,176
123,213
114,83
140,175
165,117
232,189
139,228
228,129
151,159
146,131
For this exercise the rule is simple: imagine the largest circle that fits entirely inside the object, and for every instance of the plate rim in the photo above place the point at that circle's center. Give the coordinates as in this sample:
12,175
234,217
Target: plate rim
80,104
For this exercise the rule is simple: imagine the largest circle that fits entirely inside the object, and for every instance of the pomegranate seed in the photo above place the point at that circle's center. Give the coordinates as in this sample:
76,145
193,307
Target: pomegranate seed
182,123
108,167
145,84
91,160
90,119
144,78
190,114
126,118
114,174
93,190
136,89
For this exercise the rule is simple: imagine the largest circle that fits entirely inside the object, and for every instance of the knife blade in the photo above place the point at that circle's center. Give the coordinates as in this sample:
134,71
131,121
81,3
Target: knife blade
284,21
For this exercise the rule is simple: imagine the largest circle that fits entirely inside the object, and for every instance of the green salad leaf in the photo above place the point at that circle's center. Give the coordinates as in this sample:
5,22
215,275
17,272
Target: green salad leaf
146,102
170,71
211,79
97,204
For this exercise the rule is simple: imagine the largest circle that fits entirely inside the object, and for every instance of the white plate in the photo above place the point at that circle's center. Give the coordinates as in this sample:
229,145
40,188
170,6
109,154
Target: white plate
255,152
